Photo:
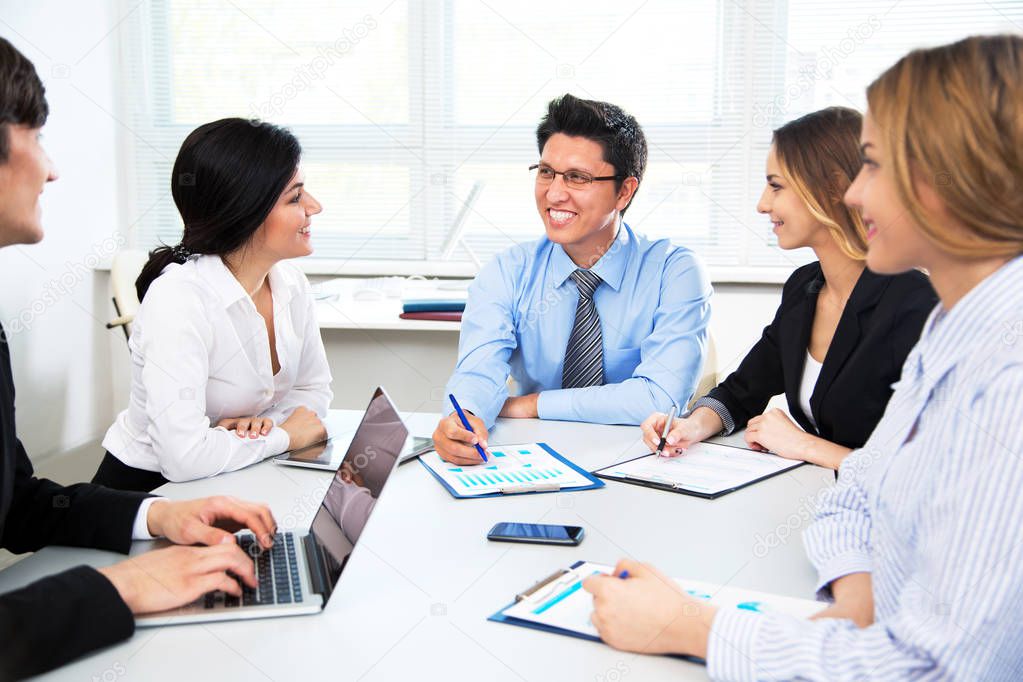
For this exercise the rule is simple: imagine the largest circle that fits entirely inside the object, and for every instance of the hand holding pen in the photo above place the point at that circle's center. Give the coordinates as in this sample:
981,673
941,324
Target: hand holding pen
669,436
461,437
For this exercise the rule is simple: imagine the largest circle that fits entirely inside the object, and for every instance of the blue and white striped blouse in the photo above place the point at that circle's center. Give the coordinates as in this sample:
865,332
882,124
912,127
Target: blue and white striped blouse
932,507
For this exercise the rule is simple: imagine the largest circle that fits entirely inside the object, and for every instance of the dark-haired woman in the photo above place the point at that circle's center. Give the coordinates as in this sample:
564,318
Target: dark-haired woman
841,333
228,367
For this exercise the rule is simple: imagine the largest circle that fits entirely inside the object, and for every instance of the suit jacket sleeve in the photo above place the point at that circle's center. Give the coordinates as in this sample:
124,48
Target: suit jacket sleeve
60,617
82,515
759,377
57,619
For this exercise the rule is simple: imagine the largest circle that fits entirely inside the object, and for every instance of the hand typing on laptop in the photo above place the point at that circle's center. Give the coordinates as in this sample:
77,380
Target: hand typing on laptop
174,576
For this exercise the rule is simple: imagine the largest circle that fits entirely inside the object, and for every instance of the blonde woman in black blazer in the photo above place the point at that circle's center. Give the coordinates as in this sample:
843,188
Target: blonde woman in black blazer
841,333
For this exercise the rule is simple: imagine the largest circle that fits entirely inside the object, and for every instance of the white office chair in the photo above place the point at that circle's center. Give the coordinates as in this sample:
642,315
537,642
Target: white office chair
709,378
125,270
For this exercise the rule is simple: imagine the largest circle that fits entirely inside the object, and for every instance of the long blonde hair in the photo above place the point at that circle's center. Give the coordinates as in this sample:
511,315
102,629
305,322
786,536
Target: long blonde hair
820,156
952,116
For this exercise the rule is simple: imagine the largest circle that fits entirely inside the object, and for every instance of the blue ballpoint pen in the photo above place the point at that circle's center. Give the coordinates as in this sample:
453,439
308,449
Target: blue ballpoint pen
466,424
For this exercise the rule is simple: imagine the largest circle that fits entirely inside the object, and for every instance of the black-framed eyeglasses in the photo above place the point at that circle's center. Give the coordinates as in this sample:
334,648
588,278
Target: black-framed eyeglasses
573,178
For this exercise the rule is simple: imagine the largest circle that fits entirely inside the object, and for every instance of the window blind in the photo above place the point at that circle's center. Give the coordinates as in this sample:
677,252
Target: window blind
401,105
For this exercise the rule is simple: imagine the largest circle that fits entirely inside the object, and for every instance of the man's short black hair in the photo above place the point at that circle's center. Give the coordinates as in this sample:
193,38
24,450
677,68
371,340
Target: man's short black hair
617,132
22,95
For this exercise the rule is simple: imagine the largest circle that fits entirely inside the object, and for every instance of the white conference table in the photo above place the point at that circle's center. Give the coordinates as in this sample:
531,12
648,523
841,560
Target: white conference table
414,599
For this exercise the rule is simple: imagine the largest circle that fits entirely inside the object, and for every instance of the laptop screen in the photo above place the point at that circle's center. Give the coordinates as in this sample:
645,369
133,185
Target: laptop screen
356,487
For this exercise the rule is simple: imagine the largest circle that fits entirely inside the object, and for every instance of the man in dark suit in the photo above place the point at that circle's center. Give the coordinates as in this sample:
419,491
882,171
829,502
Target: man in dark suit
60,617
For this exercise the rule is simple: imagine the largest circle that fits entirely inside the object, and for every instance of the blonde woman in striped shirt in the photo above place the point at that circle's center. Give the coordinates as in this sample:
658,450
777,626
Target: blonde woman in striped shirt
920,544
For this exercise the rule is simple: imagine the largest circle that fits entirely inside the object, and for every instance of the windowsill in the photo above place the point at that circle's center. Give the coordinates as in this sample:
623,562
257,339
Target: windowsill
327,267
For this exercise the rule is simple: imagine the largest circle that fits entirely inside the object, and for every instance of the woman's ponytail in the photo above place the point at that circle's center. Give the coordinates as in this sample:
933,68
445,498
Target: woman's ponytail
159,258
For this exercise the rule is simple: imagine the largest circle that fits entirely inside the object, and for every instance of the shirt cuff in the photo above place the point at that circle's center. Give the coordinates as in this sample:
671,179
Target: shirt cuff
839,566
555,404
730,647
277,441
720,410
140,531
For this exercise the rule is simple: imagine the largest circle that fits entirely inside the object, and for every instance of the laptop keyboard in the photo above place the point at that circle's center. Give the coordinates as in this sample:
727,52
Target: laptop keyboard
276,575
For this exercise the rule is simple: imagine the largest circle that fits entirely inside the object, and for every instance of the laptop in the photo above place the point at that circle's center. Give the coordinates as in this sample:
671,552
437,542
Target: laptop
328,454
298,574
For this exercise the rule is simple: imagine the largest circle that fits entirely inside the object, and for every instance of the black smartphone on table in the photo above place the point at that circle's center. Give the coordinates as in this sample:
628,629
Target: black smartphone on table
537,533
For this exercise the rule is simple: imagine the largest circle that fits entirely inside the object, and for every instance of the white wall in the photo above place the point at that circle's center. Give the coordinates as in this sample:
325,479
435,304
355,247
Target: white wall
51,303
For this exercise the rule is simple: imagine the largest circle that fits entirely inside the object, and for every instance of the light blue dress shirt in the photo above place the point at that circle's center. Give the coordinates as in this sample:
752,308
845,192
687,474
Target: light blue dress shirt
932,507
654,306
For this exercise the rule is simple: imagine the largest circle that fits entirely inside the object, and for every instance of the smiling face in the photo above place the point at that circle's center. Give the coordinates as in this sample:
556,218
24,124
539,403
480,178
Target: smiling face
286,232
22,179
582,220
792,221
895,243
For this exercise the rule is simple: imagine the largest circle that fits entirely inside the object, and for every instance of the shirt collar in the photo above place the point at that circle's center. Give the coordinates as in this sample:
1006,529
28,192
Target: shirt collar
220,280
610,267
986,316
229,290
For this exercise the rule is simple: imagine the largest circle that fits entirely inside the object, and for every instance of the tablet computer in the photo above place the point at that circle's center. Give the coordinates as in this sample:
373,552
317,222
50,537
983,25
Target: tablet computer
328,454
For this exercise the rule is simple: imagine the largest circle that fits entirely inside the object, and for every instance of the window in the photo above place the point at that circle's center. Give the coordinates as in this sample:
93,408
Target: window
401,105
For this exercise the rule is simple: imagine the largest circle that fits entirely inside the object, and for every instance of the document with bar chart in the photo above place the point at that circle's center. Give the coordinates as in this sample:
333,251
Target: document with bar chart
512,469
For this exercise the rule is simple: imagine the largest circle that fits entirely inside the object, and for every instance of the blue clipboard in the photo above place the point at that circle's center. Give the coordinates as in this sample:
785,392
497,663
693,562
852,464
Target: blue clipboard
594,481
500,617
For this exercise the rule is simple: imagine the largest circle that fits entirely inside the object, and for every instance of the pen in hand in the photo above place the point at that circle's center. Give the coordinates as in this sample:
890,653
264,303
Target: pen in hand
667,429
466,424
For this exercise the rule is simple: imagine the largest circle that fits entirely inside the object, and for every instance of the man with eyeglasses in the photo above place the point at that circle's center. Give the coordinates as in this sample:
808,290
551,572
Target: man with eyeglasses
594,322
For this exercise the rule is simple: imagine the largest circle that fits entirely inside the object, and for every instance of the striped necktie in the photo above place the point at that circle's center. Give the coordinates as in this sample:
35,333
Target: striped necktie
584,357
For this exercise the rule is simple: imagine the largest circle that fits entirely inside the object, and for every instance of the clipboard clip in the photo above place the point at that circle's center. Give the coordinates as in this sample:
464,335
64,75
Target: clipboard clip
530,488
655,481
553,577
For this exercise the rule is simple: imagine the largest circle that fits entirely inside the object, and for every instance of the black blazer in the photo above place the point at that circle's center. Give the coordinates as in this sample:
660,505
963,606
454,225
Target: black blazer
60,617
880,324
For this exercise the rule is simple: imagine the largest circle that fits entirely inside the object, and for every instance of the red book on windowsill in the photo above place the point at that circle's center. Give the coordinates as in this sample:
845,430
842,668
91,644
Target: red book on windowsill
443,316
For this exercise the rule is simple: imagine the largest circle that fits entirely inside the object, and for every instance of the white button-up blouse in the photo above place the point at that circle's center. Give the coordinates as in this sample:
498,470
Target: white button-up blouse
200,353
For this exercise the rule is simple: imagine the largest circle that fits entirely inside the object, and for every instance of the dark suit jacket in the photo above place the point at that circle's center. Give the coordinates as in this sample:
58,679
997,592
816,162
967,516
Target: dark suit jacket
880,324
60,617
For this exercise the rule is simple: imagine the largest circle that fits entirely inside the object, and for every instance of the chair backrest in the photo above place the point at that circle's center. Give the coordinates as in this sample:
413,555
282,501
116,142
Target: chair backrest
126,267
709,377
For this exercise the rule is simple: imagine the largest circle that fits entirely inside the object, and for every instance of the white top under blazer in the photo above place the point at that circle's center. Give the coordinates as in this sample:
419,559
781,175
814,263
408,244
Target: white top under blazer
811,373
200,353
